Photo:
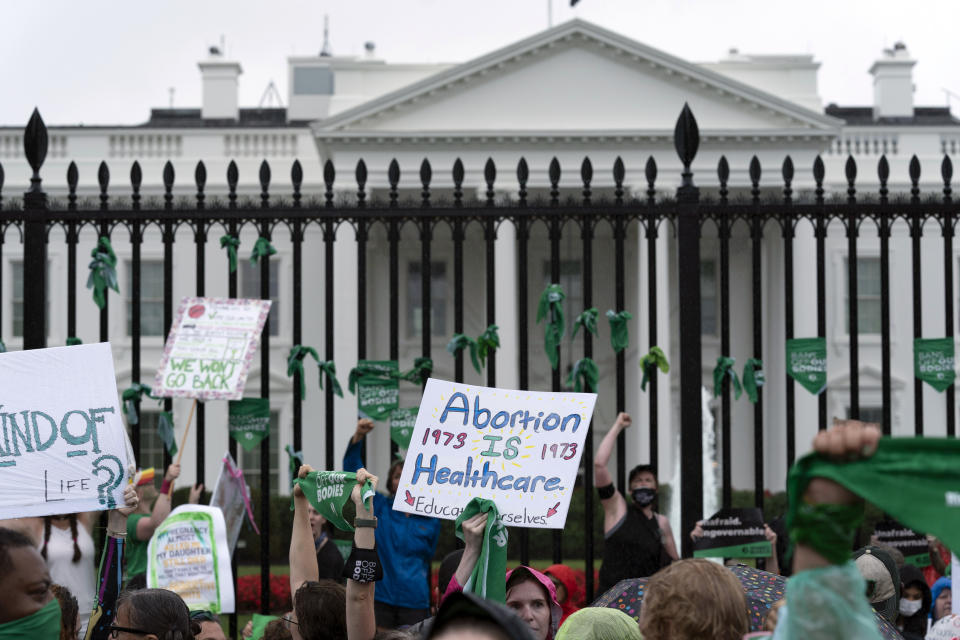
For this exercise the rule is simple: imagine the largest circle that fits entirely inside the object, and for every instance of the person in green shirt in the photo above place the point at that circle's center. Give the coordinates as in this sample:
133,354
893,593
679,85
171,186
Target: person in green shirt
151,511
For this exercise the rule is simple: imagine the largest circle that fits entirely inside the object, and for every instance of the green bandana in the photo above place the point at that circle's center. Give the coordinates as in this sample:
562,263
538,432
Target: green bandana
915,480
807,363
461,341
489,577
551,310
725,367
933,362
488,342
375,384
366,369
260,623
422,368
103,271
619,334
295,461
584,375
329,491
71,341
261,249
41,625
587,320
329,370
295,364
649,363
231,243
165,431
753,378
131,395
402,423
249,421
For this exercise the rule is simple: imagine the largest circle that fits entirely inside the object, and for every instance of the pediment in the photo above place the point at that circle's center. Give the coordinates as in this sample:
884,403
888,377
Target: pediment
576,78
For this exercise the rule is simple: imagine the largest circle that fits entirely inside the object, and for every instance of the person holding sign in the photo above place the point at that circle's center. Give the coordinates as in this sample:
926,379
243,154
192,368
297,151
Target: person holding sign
638,542
152,510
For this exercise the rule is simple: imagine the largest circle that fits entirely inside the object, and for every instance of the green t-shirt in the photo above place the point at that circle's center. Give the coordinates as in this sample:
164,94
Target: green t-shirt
136,548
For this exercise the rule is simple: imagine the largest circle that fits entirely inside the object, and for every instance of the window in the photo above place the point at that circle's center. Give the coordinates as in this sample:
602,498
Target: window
250,460
709,322
250,288
151,446
438,299
16,300
571,279
869,414
868,297
151,298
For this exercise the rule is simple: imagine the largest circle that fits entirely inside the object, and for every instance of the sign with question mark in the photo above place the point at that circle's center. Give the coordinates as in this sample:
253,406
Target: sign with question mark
63,445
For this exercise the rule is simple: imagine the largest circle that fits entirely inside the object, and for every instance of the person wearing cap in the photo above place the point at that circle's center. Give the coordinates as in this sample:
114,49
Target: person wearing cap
465,615
942,594
880,572
152,510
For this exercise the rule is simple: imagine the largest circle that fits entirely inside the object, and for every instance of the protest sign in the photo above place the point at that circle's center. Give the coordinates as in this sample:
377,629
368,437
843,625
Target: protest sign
933,361
402,424
249,421
733,533
914,546
520,449
807,363
232,496
188,554
64,447
210,347
378,390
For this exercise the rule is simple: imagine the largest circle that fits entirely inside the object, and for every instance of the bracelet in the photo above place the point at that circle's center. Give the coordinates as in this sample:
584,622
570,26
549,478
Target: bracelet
165,487
365,522
116,534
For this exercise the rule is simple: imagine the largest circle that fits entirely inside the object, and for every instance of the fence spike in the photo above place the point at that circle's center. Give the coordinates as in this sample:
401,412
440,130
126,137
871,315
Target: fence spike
200,176
264,183
946,172
755,179
523,174
393,176
723,175
35,144
850,170
329,176
136,179
686,137
586,174
72,177
426,174
914,179
168,176
233,177
818,173
787,172
360,174
490,176
619,173
103,179
296,175
554,173
883,173
458,182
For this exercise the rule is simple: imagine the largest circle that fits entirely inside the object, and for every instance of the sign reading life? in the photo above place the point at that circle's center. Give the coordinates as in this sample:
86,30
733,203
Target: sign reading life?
520,449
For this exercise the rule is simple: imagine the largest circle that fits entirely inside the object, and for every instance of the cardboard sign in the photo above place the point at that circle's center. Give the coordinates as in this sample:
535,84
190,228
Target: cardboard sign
378,393
232,496
188,555
733,533
210,348
914,546
520,449
64,448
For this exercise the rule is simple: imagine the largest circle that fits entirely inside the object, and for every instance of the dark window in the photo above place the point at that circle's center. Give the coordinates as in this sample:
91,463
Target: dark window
151,298
868,297
869,414
16,300
250,460
250,288
438,299
151,447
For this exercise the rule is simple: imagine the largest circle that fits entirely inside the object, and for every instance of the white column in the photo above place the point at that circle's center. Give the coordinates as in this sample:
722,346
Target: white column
505,255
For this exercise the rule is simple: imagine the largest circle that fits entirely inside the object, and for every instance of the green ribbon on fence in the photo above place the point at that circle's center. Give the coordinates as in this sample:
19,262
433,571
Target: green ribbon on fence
130,396
725,367
584,375
261,249
807,363
422,368
295,461
619,333
933,362
587,320
295,364
165,431
655,359
73,340
488,342
753,378
461,341
550,309
363,370
103,271
328,369
231,244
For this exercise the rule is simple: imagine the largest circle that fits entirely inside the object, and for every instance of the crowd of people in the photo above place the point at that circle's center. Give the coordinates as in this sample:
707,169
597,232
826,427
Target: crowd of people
381,591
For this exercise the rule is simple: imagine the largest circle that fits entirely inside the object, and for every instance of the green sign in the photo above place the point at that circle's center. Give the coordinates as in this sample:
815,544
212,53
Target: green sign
933,361
807,363
249,421
402,423
733,533
378,390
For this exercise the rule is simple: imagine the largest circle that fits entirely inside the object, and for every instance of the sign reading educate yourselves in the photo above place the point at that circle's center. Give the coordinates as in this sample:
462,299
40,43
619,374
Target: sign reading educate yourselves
520,449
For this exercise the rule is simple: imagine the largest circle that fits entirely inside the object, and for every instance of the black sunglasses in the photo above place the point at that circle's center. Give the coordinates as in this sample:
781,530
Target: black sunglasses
115,631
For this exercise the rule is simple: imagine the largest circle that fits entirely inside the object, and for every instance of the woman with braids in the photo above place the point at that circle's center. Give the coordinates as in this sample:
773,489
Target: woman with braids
67,547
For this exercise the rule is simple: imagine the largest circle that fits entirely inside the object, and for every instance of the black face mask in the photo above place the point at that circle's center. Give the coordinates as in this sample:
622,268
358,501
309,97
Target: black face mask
643,496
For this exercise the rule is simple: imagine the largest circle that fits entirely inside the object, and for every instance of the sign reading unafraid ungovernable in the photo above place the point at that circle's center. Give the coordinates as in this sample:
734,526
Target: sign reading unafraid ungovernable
63,447
520,449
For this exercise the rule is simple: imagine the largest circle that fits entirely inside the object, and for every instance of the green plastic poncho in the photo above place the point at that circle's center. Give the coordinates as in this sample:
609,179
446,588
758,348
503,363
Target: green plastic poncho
599,623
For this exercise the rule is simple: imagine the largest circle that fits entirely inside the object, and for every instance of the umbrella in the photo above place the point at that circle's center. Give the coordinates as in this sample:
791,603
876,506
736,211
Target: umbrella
626,596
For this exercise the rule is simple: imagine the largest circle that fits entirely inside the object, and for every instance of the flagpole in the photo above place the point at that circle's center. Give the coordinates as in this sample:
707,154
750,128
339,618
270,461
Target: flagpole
183,440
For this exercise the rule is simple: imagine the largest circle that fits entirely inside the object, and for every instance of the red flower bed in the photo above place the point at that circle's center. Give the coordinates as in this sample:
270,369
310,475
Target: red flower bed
249,597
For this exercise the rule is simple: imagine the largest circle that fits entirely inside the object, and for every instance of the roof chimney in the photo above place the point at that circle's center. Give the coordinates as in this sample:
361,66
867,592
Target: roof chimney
220,87
893,83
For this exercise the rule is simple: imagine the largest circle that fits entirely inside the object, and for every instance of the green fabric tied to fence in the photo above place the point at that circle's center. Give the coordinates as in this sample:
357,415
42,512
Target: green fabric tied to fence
587,320
488,342
402,423
584,375
368,369
653,360
262,249
725,367
103,271
753,378
807,363
329,491
295,364
422,369
489,577
71,341
295,461
375,383
165,431
328,370
550,309
130,396
619,332
461,341
248,421
934,362
231,244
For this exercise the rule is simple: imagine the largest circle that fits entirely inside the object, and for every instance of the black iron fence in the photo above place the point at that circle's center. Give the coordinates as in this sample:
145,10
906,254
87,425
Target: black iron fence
686,215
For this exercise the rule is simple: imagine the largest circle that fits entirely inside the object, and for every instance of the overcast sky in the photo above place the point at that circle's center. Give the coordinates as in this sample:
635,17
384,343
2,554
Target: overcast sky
110,61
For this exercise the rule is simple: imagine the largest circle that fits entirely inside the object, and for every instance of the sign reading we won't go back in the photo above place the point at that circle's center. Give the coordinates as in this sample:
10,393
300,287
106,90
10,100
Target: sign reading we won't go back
520,449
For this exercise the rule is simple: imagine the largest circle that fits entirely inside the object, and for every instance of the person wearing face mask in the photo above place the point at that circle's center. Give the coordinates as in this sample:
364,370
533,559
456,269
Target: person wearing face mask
638,542
28,608
915,602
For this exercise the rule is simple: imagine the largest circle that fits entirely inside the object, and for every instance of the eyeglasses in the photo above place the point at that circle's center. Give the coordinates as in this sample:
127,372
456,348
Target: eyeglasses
115,631
290,621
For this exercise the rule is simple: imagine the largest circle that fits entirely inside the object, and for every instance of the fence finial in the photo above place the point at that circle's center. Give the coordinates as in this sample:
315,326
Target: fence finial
686,140
35,146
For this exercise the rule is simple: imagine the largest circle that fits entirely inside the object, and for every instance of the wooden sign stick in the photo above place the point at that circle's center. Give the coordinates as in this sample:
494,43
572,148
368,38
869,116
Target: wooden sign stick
183,440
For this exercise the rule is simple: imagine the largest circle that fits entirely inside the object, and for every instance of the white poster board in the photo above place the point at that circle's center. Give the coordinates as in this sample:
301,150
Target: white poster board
63,446
520,449
188,555
232,496
210,348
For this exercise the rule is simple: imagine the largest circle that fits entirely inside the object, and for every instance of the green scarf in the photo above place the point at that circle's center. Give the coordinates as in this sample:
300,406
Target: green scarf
489,577
753,378
295,364
261,249
165,431
807,363
915,480
131,395
402,423
329,491
41,625
461,341
488,342
231,243
619,333
655,359
260,623
370,369
328,369
248,421
422,368
103,271
584,375
934,362
295,461
550,309
587,320
725,367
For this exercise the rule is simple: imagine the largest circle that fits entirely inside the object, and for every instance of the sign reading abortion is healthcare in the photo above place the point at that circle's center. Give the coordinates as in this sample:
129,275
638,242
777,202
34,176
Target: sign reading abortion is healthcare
520,449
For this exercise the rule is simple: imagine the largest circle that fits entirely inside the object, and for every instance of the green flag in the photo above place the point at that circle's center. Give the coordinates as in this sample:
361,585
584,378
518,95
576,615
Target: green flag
933,361
619,332
488,579
249,421
402,423
655,359
725,367
329,491
386,369
377,388
165,431
550,309
753,378
807,363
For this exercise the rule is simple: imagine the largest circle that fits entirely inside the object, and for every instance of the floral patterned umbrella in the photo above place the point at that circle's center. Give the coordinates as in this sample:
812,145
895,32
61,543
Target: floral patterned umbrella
626,596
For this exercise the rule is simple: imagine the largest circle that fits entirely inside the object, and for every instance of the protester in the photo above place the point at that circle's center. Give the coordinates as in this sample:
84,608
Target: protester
67,547
879,570
465,616
772,561
329,558
599,623
942,597
915,603
637,540
152,511
569,591
939,560
157,612
69,610
209,624
406,544
27,608
110,575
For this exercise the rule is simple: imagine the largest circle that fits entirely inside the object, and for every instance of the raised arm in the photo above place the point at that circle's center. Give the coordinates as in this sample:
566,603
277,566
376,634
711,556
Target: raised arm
473,529
614,506
161,508
361,621
303,555
353,456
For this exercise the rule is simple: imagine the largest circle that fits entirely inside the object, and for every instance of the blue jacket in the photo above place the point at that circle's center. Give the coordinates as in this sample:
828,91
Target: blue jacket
405,543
